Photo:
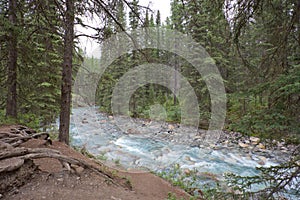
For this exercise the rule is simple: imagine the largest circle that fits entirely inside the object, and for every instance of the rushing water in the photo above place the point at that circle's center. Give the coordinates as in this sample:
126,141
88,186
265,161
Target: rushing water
101,136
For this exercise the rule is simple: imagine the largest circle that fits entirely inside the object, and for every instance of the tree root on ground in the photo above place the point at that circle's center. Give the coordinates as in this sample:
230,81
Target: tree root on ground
13,157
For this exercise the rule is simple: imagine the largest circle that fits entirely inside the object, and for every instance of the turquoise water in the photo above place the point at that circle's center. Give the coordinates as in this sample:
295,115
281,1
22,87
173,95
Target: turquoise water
142,151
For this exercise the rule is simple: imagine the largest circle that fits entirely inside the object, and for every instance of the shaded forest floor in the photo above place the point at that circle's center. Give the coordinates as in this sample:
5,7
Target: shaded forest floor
67,174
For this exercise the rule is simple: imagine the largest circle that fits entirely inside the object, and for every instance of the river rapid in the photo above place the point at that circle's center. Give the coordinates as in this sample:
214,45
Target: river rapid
153,146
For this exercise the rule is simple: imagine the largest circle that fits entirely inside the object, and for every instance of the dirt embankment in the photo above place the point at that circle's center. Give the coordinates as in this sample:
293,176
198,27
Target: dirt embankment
33,167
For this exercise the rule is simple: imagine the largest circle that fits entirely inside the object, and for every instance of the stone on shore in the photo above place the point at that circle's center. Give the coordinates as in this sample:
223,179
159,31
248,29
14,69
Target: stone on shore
254,140
110,117
261,146
133,131
243,145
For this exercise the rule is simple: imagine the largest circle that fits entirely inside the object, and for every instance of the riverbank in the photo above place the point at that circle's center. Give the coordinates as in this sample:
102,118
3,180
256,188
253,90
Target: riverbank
48,178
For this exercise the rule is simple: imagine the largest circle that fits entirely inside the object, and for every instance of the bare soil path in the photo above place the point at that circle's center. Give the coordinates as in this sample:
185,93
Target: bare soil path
49,178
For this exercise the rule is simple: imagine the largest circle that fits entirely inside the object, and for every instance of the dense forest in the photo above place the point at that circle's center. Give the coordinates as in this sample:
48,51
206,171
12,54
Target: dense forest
255,45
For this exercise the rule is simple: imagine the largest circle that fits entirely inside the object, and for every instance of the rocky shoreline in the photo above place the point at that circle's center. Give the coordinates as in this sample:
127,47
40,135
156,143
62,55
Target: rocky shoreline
262,152
256,148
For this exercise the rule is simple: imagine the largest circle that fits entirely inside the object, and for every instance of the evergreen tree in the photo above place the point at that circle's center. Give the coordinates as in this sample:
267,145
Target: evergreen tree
134,23
151,23
11,101
266,45
65,109
38,61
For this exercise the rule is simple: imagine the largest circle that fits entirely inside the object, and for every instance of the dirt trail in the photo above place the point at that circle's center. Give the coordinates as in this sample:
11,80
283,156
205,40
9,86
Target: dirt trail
47,178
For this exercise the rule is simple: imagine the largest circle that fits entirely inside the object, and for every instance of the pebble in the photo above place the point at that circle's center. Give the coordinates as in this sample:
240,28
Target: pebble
254,140
283,148
243,145
187,158
110,117
187,171
261,146
170,127
114,198
262,160
79,170
133,131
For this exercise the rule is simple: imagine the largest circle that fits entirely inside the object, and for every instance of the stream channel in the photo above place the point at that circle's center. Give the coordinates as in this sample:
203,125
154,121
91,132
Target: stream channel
158,150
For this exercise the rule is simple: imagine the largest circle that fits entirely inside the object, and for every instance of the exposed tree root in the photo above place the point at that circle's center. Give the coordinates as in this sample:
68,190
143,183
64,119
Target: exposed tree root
13,157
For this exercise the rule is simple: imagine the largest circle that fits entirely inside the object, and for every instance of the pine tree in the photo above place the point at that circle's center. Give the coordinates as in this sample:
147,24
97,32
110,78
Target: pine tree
266,45
40,69
39,53
134,23
65,109
11,101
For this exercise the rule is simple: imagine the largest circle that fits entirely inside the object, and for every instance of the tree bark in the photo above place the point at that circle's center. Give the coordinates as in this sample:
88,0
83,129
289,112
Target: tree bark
11,101
66,87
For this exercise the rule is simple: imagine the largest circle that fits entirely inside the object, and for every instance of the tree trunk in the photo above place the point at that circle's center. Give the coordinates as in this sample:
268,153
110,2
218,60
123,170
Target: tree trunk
11,101
66,87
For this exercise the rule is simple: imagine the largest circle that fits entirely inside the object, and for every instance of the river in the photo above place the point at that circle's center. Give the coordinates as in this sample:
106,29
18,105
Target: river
158,150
